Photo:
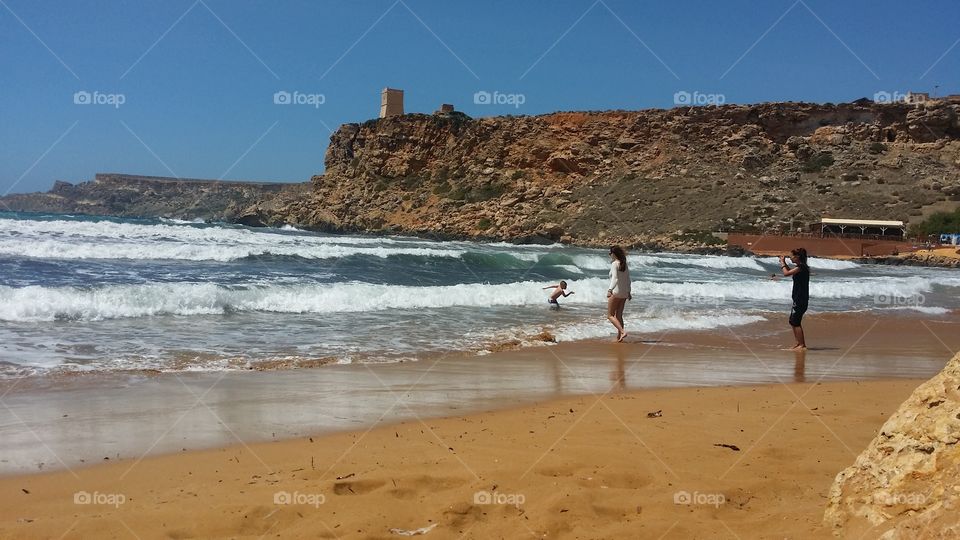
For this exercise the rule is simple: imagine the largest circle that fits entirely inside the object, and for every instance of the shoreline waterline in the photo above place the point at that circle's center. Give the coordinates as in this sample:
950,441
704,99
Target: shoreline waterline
123,416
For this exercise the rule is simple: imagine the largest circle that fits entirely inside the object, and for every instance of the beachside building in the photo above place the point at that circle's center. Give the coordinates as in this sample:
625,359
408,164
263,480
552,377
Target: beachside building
862,227
391,102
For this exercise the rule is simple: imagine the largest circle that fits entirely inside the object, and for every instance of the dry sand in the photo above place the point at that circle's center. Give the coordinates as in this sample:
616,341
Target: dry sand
949,252
577,467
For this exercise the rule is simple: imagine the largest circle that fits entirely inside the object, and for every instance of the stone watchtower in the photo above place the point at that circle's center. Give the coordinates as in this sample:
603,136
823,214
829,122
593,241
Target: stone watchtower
391,102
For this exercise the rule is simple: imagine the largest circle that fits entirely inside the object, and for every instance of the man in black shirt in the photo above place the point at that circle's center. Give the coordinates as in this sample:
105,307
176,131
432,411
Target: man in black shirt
801,291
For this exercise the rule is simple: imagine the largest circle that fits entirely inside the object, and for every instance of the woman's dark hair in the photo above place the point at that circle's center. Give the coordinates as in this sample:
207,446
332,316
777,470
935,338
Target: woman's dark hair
618,252
801,255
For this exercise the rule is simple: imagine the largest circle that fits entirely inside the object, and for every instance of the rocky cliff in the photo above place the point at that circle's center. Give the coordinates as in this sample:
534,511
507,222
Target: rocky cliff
635,177
150,196
906,484
660,177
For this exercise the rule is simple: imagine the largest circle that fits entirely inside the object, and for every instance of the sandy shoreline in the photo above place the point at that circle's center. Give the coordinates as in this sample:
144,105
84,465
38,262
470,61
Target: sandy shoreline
75,421
580,467
747,441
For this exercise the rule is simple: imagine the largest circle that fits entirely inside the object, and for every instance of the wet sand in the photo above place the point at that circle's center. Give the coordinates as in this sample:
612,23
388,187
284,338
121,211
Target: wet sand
741,462
568,451
76,421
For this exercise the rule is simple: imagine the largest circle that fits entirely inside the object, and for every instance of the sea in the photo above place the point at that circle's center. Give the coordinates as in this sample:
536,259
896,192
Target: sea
81,294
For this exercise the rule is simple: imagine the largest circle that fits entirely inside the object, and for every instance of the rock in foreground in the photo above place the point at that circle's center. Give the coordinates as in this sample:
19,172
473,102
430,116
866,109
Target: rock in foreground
906,484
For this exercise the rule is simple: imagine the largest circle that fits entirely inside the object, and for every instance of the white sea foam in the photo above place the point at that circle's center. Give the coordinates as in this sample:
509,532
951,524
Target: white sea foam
169,231
177,240
817,263
929,310
67,249
713,261
115,301
570,268
763,289
191,241
175,221
601,262
35,303
657,323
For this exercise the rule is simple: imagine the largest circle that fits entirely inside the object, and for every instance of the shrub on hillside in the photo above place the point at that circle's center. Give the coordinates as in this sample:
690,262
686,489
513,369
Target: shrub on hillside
937,223
818,162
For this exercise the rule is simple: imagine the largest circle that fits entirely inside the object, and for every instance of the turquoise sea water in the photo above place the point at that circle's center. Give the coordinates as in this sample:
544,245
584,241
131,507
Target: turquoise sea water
93,293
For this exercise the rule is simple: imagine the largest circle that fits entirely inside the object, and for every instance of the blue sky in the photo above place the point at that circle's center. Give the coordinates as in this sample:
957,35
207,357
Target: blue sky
197,78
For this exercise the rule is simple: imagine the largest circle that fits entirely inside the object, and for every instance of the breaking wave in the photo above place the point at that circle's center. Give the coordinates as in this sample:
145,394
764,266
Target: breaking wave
37,303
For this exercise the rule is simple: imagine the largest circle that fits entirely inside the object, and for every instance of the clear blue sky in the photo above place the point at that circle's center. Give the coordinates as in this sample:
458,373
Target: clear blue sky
198,77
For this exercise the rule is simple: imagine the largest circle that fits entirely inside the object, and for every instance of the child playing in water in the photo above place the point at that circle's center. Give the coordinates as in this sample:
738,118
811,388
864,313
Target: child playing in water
558,291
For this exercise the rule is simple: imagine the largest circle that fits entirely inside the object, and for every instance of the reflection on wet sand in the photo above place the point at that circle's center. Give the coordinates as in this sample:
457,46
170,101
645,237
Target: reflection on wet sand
799,365
619,376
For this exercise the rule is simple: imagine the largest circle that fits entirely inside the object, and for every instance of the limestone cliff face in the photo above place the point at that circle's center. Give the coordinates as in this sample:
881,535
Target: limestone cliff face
633,177
906,484
641,176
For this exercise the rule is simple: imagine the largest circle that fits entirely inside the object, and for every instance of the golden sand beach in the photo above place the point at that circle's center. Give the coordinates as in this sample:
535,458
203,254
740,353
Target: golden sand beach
738,462
620,460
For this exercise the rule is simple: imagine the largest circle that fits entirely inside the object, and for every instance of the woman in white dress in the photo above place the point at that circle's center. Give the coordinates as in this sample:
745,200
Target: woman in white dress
619,291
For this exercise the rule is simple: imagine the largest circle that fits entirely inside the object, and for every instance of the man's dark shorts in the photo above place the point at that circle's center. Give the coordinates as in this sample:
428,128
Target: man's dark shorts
796,314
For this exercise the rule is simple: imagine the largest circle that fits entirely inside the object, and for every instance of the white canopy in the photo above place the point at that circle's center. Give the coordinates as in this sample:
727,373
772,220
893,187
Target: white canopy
861,222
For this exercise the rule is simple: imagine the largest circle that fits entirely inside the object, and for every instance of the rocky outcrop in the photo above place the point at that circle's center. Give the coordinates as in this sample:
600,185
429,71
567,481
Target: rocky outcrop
906,484
918,258
661,178
153,196
653,177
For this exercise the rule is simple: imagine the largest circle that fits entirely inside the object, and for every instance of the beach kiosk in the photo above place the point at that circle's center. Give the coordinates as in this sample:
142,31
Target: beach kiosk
868,228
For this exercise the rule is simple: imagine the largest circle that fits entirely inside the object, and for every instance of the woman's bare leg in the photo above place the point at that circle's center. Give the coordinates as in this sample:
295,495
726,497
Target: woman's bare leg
612,317
621,303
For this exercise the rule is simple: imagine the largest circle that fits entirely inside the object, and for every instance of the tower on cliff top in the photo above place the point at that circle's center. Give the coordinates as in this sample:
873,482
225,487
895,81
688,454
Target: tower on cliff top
391,102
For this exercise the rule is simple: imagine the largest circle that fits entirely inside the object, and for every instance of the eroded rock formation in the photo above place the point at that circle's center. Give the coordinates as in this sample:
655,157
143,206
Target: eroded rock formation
660,178
906,484
636,176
